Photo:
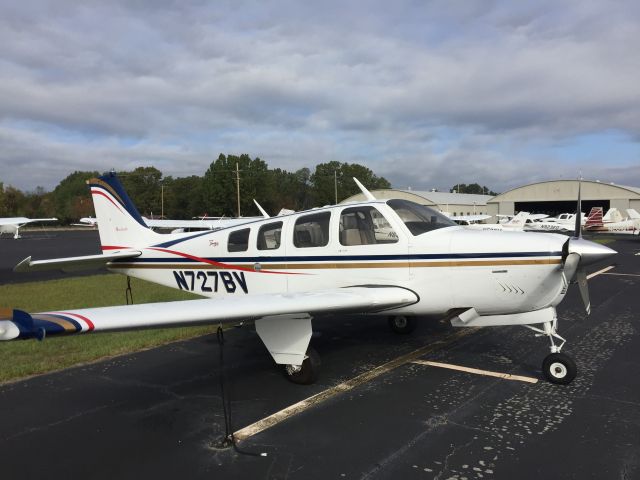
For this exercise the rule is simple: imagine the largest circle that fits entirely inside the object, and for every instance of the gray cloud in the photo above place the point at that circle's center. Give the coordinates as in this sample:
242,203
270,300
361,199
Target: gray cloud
175,83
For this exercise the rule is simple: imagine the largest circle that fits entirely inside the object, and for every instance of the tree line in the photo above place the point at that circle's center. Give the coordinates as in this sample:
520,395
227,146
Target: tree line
212,194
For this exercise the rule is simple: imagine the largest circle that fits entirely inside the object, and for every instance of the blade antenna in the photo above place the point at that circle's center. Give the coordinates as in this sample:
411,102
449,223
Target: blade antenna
262,210
367,193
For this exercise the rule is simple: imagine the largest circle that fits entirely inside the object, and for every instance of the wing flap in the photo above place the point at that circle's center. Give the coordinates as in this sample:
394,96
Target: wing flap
72,264
194,312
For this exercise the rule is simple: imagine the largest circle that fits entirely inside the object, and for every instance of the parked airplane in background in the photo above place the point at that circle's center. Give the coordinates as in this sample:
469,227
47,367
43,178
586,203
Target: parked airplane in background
86,222
596,223
467,219
179,226
13,224
515,223
282,270
206,223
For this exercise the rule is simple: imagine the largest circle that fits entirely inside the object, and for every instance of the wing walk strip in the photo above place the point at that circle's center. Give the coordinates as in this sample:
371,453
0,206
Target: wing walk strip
412,357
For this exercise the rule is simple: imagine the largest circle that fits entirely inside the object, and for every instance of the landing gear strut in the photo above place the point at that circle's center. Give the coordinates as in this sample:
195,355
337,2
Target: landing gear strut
402,324
307,373
557,367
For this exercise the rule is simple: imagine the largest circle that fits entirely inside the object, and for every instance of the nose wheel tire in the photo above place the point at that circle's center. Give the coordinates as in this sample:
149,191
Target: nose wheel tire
307,373
559,368
402,324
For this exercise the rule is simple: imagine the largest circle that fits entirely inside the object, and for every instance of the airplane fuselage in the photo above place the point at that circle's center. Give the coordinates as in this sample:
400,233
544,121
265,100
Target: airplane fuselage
450,267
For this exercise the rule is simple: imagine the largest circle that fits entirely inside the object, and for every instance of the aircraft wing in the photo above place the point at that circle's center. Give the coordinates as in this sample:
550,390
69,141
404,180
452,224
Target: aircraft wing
360,299
72,264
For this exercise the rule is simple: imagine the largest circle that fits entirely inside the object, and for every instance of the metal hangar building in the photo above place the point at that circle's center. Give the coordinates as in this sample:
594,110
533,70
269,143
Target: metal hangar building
559,196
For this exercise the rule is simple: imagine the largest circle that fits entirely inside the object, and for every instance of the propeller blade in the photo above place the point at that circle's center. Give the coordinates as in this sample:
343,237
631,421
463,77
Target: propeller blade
571,264
584,290
577,232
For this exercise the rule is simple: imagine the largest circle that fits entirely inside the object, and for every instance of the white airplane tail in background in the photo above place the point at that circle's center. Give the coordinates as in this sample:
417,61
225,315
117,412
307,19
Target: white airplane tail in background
120,225
519,220
633,214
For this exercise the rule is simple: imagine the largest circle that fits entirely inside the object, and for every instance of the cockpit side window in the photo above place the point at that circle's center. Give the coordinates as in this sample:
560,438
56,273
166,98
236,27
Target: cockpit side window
365,226
418,218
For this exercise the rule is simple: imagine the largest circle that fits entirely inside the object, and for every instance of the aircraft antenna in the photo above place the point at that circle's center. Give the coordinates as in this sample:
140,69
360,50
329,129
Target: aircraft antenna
262,210
366,192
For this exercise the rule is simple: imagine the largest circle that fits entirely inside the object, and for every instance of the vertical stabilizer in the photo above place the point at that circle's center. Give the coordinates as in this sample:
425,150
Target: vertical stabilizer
519,220
595,218
120,225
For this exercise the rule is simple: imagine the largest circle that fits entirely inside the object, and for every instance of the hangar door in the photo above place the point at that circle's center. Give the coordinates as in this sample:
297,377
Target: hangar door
553,208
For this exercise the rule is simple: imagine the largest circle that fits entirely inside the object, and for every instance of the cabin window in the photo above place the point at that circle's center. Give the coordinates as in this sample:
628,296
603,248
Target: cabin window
269,236
419,219
312,230
365,226
239,240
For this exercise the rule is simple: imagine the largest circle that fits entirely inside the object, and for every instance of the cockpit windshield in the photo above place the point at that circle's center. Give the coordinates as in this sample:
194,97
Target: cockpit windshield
418,218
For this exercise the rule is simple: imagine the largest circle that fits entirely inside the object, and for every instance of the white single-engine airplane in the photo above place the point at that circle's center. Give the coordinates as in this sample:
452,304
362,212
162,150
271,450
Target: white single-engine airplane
12,224
283,270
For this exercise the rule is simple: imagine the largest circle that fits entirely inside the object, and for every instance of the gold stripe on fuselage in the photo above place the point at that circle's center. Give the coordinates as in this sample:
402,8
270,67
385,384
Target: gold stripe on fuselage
338,265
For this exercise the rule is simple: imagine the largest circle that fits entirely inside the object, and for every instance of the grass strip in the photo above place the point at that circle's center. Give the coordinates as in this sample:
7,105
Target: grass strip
21,359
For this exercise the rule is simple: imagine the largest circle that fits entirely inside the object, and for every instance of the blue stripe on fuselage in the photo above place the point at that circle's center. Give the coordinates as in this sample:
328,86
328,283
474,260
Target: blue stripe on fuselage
347,258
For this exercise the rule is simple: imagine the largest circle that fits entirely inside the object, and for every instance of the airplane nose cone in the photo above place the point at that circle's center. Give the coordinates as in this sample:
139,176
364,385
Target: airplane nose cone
590,252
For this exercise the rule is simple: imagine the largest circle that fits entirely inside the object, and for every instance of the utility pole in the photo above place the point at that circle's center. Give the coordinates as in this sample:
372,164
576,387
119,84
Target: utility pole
161,201
335,184
238,186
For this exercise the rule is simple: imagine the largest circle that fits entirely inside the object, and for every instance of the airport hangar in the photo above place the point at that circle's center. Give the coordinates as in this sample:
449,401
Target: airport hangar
551,197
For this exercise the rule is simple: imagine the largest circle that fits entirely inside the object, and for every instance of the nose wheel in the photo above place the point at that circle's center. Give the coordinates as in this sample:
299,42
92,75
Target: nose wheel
559,368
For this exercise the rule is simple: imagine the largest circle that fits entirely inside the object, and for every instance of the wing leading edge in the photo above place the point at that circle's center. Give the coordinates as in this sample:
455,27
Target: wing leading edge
362,299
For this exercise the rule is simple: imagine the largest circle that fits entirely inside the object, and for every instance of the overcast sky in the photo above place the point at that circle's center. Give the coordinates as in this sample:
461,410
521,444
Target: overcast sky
427,94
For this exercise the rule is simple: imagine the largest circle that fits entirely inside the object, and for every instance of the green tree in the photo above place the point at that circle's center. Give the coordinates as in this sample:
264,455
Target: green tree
472,188
144,186
71,199
219,193
326,174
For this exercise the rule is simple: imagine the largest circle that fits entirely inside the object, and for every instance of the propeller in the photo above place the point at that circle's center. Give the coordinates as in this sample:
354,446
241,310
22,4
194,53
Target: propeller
578,252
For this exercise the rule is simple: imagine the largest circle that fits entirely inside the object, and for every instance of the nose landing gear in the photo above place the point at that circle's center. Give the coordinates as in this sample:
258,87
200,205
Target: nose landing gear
557,367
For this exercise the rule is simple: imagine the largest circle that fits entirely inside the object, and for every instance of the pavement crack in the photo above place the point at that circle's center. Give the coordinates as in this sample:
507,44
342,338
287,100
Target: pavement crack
62,421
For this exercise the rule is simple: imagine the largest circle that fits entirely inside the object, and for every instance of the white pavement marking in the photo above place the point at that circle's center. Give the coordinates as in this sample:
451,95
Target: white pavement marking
318,398
505,376
599,272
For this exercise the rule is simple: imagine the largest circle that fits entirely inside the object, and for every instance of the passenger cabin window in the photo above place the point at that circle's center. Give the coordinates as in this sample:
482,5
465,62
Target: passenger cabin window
312,230
419,219
365,226
239,240
269,236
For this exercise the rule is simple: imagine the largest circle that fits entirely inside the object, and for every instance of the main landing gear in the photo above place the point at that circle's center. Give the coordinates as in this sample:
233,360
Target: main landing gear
557,367
307,373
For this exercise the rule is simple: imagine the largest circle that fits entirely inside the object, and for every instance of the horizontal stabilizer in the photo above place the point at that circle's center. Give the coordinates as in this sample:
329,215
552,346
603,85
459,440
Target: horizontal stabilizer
16,324
72,264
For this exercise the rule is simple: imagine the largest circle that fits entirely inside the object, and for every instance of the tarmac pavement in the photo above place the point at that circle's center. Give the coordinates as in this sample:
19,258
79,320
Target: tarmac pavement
158,413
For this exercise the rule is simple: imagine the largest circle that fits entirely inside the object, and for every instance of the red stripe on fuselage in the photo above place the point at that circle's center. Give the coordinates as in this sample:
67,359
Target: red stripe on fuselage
223,265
